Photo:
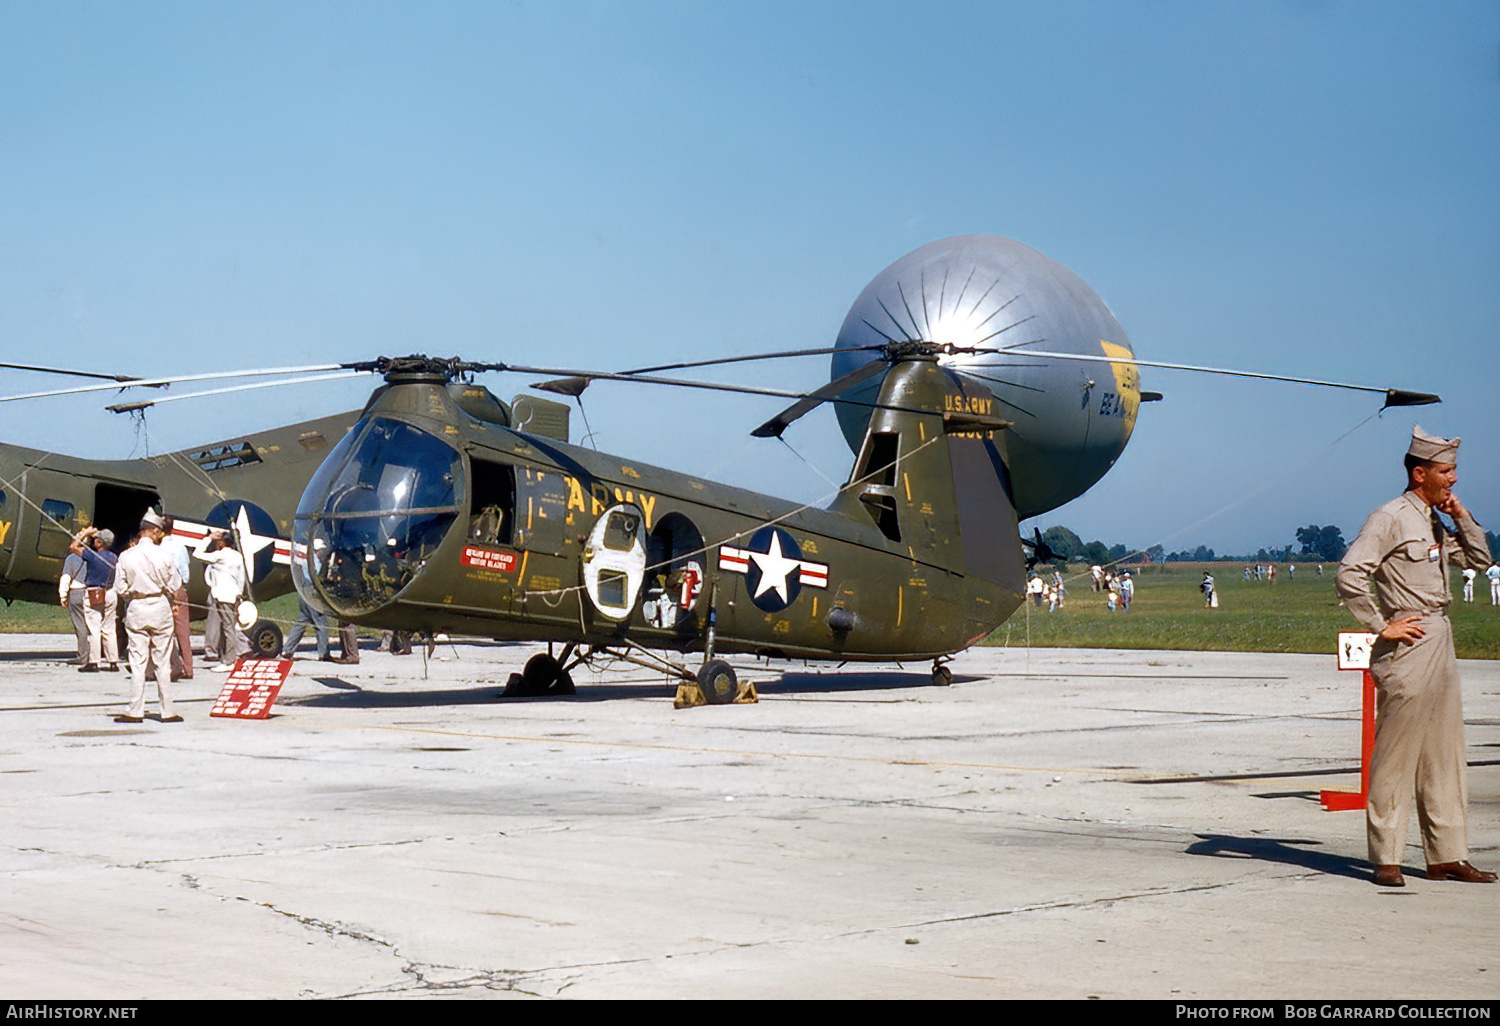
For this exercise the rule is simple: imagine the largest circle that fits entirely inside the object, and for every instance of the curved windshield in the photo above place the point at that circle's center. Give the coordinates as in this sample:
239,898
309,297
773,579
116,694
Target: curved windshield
372,515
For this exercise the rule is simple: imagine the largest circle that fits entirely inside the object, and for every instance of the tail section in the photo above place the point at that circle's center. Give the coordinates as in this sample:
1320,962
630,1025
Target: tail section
934,484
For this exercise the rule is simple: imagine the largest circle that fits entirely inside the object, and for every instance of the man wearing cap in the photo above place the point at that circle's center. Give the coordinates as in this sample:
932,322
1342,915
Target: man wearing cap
225,577
148,577
1394,579
93,546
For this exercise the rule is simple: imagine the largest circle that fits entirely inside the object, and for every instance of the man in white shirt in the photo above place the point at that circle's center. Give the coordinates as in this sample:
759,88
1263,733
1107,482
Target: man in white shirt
225,575
70,594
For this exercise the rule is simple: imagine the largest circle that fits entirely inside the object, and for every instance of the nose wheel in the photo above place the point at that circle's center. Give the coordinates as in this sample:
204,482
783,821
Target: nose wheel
941,675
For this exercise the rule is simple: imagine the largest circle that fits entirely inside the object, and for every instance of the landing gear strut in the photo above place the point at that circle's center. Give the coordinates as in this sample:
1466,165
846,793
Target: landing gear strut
715,683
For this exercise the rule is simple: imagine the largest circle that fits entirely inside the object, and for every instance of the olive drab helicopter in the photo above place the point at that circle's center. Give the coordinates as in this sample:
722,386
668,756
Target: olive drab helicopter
978,382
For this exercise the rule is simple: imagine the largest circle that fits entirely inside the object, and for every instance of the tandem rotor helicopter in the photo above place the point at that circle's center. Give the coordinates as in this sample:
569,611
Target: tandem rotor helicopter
978,382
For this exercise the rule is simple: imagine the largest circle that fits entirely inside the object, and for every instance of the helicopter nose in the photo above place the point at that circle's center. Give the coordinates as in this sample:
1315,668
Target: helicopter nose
367,526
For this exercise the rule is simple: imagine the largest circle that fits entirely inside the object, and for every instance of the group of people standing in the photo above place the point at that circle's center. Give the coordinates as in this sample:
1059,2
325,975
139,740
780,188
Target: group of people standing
144,587
1492,573
1267,571
1049,590
1117,585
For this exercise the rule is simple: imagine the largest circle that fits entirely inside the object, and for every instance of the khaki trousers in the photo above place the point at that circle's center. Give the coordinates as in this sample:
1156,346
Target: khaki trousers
104,647
1419,746
148,626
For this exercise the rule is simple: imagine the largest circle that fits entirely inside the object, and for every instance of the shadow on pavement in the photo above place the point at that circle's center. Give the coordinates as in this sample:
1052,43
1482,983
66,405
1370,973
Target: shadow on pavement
1287,851
353,696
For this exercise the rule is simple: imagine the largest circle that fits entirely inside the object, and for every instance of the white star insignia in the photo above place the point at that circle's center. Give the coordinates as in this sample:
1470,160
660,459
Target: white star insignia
250,542
774,569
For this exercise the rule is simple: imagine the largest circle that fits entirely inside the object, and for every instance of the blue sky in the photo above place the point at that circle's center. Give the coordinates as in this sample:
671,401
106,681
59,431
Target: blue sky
1307,188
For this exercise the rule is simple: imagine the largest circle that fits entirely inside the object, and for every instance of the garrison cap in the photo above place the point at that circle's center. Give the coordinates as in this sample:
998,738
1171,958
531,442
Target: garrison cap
1431,448
153,519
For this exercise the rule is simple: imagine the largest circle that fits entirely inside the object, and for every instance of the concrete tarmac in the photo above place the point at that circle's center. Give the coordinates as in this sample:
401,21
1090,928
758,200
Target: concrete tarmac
1056,824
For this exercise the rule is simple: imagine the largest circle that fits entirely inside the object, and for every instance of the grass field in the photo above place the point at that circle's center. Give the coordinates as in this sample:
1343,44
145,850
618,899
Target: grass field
1300,615
31,618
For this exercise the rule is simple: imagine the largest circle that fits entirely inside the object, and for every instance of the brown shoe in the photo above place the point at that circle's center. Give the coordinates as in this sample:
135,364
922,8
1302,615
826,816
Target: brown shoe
1388,876
127,719
1459,871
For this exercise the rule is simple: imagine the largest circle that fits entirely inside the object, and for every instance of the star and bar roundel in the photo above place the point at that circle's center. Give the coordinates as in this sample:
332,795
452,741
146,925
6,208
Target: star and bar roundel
774,569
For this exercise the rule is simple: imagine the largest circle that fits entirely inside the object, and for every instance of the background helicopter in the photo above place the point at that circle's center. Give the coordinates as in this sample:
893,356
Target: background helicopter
978,382
248,485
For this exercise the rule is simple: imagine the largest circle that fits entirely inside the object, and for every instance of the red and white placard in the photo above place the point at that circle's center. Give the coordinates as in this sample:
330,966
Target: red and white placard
251,689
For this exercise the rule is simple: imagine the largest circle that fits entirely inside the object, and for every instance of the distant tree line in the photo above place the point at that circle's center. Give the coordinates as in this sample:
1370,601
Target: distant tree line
1325,543
1069,548
1314,544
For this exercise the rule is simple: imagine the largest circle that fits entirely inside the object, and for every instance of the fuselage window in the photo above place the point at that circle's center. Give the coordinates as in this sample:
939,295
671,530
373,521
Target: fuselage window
58,525
58,514
620,534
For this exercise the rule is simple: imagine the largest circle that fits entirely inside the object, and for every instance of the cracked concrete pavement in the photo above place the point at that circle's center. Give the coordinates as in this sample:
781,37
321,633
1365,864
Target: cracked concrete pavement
1058,823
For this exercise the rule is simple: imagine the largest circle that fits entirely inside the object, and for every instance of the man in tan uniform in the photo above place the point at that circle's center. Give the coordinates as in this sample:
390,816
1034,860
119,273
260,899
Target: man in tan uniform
1394,579
147,576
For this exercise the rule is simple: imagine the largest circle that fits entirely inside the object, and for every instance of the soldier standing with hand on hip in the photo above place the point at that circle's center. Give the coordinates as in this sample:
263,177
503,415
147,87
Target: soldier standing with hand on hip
1394,579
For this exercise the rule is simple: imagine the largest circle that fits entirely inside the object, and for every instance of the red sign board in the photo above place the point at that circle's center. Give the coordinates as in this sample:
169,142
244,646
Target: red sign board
488,559
252,688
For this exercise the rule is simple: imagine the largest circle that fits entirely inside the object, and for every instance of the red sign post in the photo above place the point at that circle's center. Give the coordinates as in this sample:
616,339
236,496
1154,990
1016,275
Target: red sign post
1354,654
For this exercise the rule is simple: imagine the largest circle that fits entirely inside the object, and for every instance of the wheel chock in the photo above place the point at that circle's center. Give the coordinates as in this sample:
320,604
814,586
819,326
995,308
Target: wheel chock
690,694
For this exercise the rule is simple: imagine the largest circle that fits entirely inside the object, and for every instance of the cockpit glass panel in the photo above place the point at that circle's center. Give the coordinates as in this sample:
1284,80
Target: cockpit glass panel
373,514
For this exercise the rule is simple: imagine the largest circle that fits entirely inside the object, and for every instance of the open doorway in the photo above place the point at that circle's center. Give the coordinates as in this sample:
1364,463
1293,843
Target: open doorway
119,509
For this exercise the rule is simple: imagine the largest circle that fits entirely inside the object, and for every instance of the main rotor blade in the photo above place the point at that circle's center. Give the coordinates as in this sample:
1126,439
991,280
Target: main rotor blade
779,423
751,359
139,382
66,371
148,403
714,386
1393,396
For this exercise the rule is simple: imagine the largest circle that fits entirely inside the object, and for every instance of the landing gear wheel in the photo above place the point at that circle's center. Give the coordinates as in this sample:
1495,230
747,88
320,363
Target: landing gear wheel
544,675
717,682
265,640
941,675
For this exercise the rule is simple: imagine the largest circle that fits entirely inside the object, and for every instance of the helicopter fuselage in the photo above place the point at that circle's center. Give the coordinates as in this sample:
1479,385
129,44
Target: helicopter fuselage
431,518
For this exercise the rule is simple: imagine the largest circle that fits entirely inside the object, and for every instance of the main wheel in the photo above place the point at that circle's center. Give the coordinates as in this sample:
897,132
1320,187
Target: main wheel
265,640
717,682
544,675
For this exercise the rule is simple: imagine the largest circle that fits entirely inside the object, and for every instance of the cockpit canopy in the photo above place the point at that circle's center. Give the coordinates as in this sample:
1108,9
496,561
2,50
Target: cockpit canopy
372,515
